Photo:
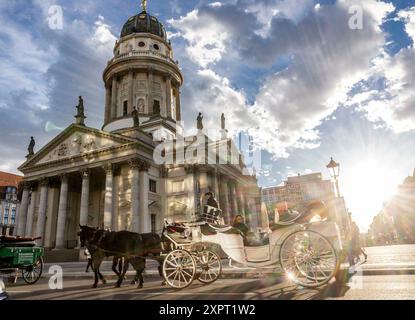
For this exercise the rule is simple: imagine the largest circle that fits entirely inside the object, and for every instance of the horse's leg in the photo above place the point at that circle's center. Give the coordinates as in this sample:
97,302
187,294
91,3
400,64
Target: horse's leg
102,278
160,268
124,271
114,266
140,270
96,264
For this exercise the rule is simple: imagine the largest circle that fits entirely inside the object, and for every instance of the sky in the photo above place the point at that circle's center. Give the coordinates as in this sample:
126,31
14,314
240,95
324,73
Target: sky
307,79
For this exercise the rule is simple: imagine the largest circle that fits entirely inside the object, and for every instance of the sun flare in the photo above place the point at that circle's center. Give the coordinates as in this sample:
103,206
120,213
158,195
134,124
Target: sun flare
366,186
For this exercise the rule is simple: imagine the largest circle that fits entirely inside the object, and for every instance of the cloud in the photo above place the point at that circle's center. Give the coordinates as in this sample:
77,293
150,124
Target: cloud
44,71
392,105
325,60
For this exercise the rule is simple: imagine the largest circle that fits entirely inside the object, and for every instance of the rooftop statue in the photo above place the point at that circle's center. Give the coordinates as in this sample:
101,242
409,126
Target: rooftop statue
200,121
80,107
223,122
31,147
144,5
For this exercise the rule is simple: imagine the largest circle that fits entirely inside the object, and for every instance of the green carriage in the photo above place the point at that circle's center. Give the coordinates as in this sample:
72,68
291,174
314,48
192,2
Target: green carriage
21,254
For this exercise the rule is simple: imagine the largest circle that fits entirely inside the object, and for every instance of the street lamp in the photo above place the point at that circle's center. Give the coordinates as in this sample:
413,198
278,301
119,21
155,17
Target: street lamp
334,169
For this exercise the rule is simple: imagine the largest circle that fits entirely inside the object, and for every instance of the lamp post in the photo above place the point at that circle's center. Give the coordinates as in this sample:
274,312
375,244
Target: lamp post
334,169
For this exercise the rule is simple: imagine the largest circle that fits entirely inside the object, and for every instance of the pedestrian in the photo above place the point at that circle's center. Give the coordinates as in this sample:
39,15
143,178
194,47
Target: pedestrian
89,257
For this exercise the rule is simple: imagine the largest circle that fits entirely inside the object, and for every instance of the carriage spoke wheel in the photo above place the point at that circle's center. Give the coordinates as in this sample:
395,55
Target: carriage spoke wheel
309,259
210,267
179,269
32,274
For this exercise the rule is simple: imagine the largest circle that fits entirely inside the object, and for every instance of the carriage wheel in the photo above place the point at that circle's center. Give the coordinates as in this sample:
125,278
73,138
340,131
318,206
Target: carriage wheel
179,269
210,265
309,259
32,274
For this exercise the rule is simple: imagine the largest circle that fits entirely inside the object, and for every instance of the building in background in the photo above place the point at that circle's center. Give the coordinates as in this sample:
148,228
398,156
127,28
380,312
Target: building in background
9,204
299,189
303,189
395,223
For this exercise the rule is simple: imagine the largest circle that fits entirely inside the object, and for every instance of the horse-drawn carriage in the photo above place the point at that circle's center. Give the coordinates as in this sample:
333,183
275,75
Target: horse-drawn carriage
21,254
307,252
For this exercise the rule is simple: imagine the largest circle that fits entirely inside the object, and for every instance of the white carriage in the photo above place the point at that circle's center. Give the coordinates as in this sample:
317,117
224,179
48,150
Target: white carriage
308,253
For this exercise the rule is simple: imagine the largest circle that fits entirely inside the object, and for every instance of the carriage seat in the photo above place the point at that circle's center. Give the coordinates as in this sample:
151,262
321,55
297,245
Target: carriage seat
220,228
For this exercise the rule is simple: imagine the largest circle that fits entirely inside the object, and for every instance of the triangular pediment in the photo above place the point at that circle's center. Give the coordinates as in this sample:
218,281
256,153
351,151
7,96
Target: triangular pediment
76,141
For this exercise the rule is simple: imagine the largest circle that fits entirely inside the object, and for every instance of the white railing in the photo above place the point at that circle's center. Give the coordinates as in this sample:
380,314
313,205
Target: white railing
147,53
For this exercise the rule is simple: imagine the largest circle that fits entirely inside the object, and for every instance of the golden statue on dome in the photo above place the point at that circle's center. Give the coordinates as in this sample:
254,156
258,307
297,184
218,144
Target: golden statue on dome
144,5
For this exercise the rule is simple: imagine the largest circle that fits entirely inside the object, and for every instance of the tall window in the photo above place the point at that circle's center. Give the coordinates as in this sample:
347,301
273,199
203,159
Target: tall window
153,186
153,223
156,107
6,216
13,216
125,108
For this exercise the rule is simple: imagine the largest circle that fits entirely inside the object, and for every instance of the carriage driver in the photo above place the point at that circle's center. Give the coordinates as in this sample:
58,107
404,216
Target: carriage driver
211,201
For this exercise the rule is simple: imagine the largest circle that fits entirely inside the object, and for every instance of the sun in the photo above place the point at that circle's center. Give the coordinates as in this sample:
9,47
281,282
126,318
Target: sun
366,186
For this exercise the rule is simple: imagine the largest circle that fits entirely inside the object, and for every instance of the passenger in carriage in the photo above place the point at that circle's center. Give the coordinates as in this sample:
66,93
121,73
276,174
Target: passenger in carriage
239,223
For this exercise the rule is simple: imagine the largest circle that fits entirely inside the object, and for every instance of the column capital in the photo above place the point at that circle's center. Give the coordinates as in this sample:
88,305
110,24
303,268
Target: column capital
27,185
44,182
108,168
85,173
144,166
63,177
140,164
164,172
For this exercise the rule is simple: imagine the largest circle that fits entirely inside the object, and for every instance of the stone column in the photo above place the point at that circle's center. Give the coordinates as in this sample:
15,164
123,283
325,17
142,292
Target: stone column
114,98
41,218
164,174
135,206
145,222
83,215
130,91
107,104
190,188
116,202
108,205
224,196
150,84
178,107
216,184
234,200
24,205
31,214
62,213
168,97
241,200
204,185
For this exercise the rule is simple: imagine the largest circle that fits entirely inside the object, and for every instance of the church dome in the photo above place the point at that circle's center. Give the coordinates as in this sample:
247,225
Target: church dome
144,23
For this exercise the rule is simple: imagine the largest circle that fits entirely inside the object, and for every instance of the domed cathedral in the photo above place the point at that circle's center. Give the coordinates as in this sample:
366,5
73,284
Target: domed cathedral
143,76
108,177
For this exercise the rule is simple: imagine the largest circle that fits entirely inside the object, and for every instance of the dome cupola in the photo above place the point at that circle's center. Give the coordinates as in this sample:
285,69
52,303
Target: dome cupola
144,23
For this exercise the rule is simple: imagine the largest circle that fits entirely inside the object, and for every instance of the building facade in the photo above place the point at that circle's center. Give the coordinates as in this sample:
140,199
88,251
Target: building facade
9,204
395,224
108,177
300,189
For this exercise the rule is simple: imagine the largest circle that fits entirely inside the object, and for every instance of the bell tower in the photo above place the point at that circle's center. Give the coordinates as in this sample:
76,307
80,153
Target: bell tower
143,78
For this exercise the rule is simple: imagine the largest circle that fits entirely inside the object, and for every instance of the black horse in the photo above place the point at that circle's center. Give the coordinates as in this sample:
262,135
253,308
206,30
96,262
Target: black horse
133,247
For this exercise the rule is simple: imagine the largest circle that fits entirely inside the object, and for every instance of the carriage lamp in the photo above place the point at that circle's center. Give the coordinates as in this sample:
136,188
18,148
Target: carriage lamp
334,169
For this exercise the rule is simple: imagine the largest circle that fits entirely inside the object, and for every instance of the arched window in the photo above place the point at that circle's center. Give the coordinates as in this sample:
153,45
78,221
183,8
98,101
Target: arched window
141,106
